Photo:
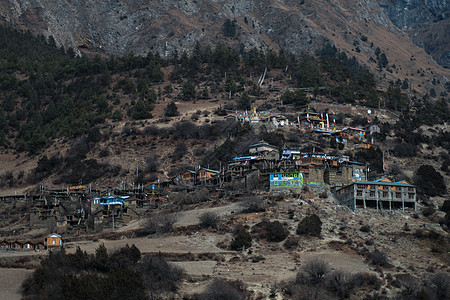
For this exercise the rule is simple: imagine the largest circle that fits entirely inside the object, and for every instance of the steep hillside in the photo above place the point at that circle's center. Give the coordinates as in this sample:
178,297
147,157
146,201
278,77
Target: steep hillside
66,119
426,22
171,27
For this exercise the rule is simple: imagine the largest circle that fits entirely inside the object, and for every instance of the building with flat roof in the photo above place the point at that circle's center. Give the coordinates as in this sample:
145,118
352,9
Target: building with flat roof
286,181
381,194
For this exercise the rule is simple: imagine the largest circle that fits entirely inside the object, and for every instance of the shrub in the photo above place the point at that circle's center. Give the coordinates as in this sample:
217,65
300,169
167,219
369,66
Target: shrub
151,164
313,271
159,223
341,282
98,276
242,240
429,181
220,111
369,279
195,116
86,170
365,228
200,195
171,110
441,282
271,231
158,275
428,211
446,220
180,151
378,258
446,206
276,232
221,289
310,225
104,153
291,242
209,219
405,150
152,130
254,204
323,195
407,282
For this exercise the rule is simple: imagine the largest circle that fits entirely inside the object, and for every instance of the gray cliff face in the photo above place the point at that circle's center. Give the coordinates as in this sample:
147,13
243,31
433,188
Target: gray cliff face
170,27
166,27
413,14
427,23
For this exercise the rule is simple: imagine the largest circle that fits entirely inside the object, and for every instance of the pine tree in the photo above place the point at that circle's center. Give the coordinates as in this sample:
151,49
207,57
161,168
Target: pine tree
171,110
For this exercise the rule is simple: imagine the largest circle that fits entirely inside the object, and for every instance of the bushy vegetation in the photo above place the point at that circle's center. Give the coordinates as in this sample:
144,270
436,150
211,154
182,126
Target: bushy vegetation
317,280
171,110
378,258
221,289
254,204
446,206
242,240
46,91
158,223
122,274
314,271
291,242
310,225
271,231
429,181
209,220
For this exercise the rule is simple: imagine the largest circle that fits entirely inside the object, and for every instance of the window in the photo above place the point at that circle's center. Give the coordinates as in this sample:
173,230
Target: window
411,196
372,194
53,242
398,195
358,193
385,194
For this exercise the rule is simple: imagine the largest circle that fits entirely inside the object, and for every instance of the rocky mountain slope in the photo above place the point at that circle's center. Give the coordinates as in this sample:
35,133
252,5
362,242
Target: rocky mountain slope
426,22
171,27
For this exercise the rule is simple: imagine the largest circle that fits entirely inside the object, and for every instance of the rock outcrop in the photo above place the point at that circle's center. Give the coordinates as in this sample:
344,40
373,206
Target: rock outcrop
426,22
170,27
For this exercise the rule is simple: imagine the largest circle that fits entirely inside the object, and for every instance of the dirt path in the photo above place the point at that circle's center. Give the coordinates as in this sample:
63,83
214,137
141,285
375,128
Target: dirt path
191,217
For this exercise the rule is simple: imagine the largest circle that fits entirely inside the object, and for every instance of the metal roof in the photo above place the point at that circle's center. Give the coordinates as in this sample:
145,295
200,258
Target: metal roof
54,235
209,170
399,183
263,143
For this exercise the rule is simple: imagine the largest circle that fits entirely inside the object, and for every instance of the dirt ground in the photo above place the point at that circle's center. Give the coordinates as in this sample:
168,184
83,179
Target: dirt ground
11,282
191,217
340,244
204,253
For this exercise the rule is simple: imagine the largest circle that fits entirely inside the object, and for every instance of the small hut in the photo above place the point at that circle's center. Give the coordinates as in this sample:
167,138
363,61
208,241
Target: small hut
5,245
53,241
28,245
16,245
39,246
